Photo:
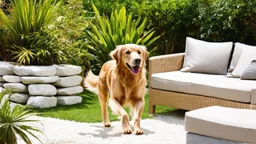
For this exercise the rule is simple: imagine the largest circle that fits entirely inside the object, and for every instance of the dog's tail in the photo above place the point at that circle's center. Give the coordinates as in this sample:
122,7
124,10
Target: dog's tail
91,82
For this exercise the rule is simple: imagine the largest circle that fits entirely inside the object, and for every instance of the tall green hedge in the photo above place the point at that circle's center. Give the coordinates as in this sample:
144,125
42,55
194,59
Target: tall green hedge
211,20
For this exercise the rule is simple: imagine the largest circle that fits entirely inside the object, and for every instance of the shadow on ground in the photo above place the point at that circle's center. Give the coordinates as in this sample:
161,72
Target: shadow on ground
109,132
172,117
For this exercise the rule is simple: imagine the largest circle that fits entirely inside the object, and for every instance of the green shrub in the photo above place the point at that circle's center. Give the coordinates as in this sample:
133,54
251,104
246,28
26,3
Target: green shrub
25,38
69,29
108,6
228,20
119,28
174,20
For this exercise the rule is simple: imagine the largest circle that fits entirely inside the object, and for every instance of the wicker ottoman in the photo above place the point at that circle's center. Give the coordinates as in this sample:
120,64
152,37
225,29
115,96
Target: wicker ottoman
221,122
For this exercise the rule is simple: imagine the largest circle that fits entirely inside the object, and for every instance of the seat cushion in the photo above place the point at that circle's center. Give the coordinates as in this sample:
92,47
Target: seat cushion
221,122
218,86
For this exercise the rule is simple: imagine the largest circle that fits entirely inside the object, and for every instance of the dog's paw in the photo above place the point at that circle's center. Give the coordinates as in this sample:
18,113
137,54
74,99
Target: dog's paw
139,131
107,125
127,131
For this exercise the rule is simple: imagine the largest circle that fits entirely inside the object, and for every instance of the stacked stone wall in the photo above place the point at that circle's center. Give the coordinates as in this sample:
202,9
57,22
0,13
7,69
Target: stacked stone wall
42,86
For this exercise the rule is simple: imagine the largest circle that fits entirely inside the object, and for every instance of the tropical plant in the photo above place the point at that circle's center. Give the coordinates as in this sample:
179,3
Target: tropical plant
15,122
25,39
119,29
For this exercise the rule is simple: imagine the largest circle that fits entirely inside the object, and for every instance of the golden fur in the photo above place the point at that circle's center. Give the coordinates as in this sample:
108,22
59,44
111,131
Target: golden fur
124,79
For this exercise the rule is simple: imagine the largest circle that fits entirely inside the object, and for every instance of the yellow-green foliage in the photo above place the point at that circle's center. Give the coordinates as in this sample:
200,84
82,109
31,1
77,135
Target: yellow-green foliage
23,31
120,28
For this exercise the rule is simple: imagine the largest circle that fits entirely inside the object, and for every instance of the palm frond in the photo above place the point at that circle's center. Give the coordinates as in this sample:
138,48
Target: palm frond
16,121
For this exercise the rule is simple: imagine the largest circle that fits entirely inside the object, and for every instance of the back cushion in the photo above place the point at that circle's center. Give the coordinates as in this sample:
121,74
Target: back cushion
247,56
238,49
206,57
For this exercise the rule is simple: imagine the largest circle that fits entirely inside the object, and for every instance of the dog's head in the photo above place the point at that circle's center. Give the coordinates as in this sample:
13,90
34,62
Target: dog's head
131,56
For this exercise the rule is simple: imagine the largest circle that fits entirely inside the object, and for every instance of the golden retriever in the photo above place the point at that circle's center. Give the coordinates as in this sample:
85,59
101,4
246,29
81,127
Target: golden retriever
124,79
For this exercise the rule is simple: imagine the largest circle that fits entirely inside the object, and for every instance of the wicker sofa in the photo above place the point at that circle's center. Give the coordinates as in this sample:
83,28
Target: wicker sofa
181,100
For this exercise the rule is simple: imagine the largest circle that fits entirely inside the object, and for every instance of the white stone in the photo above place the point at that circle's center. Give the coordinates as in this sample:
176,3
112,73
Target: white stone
39,80
42,89
16,87
12,105
67,70
68,81
19,98
34,70
69,100
1,89
42,102
1,79
11,78
6,68
70,90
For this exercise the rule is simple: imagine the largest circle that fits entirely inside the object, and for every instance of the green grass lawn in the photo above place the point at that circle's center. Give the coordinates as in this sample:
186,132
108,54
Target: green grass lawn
89,110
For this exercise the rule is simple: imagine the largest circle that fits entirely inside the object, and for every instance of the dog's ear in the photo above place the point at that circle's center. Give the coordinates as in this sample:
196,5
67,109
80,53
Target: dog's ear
116,54
144,51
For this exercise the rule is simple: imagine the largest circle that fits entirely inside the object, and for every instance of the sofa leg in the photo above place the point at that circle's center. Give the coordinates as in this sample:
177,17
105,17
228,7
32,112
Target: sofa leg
152,110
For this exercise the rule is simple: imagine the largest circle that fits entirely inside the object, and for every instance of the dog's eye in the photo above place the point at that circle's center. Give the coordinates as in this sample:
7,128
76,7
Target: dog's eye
139,52
127,52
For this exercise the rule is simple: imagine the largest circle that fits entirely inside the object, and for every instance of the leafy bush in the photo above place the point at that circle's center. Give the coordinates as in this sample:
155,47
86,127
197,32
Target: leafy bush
107,6
24,38
228,20
15,122
173,19
119,29
212,20
169,18
69,29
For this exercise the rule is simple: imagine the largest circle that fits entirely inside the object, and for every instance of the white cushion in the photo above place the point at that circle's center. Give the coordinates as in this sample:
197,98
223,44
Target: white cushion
248,55
206,57
218,86
250,72
238,49
221,122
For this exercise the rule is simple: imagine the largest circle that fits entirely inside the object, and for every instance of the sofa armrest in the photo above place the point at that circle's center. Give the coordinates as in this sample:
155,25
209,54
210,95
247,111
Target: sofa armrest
165,63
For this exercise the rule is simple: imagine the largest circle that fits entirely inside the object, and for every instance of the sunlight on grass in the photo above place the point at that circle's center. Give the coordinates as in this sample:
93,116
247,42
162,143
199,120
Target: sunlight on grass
89,110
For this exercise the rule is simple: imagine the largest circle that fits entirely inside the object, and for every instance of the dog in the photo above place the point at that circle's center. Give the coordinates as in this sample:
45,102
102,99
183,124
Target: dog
124,79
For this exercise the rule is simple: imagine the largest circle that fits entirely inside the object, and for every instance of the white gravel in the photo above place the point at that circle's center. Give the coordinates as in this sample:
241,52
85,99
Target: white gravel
163,129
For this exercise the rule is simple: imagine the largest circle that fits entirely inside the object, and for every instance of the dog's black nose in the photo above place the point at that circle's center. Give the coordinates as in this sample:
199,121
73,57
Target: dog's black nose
137,61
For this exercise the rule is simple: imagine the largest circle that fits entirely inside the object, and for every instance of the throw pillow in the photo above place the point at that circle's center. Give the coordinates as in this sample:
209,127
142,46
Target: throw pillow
238,49
248,55
250,72
206,57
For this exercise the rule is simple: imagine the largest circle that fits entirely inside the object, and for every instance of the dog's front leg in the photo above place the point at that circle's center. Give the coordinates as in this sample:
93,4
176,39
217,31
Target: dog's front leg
138,109
118,109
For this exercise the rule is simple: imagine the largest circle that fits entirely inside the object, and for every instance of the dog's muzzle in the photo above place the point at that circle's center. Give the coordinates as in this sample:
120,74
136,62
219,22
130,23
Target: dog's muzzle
134,69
